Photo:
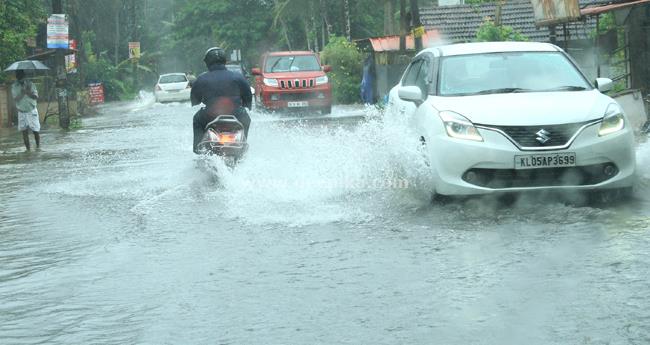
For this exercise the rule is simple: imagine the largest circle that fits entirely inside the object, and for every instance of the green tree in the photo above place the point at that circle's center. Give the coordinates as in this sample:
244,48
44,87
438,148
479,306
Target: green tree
489,32
242,24
346,61
19,20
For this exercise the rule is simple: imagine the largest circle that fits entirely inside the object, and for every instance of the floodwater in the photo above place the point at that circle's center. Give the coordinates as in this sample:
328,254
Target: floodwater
116,233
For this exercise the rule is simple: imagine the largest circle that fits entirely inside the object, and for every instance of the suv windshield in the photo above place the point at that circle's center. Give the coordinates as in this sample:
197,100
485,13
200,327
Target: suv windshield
508,72
175,78
295,63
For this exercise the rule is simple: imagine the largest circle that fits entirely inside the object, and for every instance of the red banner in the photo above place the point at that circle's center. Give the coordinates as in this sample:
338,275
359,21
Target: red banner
96,92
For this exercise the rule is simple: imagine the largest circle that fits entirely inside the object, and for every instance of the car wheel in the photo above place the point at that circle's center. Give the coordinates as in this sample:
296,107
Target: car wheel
604,197
439,199
326,110
423,151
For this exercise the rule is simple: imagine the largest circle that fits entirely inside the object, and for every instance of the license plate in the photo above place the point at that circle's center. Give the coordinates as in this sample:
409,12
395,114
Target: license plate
551,160
297,104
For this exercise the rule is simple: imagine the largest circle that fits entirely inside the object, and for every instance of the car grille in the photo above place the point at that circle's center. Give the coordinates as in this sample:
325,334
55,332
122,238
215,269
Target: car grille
297,96
296,83
527,136
545,177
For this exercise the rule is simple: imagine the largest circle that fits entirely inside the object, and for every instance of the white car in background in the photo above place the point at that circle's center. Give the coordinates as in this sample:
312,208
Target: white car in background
514,116
172,87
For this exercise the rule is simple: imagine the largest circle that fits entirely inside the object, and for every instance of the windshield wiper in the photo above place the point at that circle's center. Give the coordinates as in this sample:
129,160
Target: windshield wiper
502,90
566,88
271,70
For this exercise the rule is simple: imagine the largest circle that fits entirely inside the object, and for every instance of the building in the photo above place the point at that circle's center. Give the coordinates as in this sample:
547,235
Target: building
387,63
458,22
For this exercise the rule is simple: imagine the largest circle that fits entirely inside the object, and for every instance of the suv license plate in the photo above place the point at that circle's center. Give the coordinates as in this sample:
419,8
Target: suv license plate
551,160
297,104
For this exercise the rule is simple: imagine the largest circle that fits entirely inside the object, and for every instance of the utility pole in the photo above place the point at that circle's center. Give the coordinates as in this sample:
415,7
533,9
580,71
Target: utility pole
136,38
118,9
348,30
389,19
61,76
417,25
402,26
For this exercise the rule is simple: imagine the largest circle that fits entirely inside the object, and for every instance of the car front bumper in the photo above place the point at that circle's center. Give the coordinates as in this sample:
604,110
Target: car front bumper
296,99
173,96
492,163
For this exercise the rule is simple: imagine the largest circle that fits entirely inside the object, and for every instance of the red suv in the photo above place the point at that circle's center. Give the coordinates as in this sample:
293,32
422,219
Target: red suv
293,80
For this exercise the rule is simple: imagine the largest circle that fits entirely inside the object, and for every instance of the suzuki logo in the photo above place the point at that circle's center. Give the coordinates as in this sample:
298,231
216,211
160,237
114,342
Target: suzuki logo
543,136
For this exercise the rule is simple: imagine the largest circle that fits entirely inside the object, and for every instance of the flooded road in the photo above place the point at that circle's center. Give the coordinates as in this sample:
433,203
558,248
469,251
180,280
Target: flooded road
116,233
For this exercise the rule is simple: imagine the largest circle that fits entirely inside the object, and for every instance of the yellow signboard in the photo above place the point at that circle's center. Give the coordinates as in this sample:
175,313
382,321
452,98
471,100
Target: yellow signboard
418,31
134,50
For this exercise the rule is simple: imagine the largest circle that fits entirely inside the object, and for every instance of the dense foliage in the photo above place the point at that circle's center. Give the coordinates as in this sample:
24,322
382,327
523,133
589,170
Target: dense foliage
174,34
19,21
346,62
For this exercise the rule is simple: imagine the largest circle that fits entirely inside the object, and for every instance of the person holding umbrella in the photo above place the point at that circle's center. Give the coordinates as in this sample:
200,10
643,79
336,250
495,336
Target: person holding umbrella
25,98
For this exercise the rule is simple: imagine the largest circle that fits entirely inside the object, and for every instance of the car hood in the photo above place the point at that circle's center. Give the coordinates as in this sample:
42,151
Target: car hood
524,109
294,75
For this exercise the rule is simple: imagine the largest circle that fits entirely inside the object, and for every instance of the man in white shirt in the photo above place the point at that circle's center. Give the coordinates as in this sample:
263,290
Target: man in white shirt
25,96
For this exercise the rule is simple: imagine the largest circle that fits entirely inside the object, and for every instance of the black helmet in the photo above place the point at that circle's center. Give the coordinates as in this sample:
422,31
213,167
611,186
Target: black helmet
214,55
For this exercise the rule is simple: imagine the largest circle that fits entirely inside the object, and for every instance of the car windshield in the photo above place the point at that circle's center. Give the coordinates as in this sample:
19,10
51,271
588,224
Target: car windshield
174,78
508,72
295,63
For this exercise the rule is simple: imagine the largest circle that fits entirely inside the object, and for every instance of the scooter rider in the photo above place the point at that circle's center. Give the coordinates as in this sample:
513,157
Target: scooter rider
223,92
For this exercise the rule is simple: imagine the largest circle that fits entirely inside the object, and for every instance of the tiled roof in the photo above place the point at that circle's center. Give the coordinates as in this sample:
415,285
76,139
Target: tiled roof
459,23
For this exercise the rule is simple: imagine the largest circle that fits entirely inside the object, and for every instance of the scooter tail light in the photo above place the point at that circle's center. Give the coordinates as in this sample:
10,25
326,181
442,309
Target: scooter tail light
230,137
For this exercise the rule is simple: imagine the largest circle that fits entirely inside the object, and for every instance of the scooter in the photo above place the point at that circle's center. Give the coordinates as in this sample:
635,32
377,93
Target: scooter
224,136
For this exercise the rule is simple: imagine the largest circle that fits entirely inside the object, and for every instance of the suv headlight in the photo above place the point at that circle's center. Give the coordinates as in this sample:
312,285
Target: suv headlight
457,126
270,82
322,80
613,121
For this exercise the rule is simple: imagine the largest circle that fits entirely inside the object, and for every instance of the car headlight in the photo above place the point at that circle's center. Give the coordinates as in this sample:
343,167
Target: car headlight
322,80
270,82
613,121
457,126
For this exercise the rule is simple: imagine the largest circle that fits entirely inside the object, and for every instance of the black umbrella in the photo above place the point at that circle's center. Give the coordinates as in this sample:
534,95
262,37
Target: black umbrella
27,65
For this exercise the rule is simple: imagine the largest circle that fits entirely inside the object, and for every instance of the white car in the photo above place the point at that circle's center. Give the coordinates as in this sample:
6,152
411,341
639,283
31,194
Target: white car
511,117
172,87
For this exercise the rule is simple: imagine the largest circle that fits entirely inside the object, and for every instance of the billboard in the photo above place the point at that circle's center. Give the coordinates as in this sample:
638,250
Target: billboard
57,31
71,59
96,93
134,50
552,12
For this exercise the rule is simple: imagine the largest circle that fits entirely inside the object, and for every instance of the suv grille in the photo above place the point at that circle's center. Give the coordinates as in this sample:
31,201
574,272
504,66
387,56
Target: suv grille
296,83
527,136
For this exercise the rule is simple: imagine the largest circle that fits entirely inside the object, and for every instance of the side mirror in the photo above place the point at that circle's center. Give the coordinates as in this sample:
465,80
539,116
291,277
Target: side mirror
410,94
256,71
327,68
604,84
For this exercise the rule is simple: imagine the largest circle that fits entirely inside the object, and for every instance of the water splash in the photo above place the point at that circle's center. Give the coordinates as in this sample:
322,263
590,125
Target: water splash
298,173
